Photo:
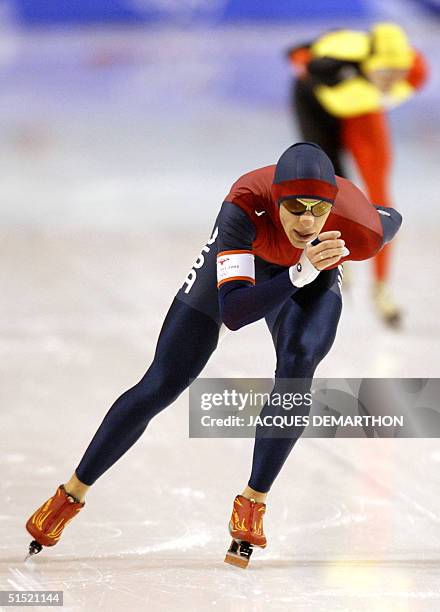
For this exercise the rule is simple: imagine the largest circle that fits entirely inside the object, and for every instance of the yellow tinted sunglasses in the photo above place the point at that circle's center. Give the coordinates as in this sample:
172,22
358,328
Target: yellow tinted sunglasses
298,206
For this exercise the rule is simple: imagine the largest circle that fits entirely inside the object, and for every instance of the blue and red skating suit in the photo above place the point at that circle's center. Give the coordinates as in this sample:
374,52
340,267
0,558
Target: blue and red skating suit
250,249
252,282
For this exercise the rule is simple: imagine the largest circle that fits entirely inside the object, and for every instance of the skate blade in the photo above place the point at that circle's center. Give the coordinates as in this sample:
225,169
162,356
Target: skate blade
239,554
394,320
29,556
34,548
236,560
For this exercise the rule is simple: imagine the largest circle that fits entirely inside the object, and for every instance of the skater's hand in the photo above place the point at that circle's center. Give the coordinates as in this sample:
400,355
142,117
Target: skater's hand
330,250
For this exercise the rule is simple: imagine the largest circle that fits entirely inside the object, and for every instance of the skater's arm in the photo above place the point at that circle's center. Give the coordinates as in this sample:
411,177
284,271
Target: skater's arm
419,71
241,301
242,304
391,221
299,57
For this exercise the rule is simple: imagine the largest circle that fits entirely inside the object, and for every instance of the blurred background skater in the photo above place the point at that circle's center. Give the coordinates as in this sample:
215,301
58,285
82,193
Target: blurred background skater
345,82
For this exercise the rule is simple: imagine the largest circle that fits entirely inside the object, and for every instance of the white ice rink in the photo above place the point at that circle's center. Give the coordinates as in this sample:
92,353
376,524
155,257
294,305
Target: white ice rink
109,190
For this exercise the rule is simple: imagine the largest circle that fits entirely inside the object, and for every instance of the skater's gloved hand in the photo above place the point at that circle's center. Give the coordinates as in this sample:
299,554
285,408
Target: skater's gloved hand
329,250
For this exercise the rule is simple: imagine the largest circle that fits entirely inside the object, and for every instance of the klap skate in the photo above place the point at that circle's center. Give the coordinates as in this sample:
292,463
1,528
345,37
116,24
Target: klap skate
47,523
246,529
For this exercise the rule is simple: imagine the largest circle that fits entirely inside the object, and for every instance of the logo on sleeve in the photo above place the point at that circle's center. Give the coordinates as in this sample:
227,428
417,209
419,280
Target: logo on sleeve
259,212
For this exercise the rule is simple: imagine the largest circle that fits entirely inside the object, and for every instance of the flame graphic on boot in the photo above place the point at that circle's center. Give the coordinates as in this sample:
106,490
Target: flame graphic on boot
248,512
47,523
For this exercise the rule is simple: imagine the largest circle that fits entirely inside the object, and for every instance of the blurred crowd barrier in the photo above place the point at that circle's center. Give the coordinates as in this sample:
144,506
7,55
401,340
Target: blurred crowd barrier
217,11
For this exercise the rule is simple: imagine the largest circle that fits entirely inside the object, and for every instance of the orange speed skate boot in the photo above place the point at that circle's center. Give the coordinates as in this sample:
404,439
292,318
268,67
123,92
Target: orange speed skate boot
47,523
246,529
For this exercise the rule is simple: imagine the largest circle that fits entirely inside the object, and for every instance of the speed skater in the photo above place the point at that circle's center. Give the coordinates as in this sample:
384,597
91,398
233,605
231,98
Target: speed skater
345,82
275,252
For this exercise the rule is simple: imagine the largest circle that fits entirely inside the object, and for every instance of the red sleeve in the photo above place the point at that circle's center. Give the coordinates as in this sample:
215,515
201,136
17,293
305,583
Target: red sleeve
299,58
419,71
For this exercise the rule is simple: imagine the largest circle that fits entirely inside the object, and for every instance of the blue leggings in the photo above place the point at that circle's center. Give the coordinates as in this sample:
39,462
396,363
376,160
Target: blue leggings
303,330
